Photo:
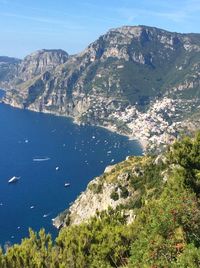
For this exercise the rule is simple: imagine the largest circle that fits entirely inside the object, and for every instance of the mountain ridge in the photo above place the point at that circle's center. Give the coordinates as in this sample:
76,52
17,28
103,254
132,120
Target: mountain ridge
126,79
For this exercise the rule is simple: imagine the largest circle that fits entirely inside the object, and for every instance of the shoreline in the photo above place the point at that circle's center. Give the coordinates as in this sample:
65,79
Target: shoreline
110,128
130,137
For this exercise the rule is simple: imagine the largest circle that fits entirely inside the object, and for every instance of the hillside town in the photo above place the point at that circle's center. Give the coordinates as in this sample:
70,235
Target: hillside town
154,128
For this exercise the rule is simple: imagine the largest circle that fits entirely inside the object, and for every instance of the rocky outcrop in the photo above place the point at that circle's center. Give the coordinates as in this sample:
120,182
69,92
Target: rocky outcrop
40,62
99,195
120,185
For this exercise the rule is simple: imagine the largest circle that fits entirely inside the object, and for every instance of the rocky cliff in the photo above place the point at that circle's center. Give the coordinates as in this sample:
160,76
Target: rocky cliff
126,185
40,62
138,80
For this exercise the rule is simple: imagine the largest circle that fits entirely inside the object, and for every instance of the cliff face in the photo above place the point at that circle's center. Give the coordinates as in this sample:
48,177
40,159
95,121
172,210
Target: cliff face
32,66
127,185
40,62
125,78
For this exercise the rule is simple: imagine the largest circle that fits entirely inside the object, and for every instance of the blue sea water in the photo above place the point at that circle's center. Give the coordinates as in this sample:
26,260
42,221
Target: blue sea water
79,152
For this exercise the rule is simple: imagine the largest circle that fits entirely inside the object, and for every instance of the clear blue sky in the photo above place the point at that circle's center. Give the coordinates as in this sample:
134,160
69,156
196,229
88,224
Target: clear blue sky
29,25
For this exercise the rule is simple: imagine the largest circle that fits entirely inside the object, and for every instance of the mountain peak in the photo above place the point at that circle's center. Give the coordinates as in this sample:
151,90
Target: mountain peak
48,52
41,61
134,29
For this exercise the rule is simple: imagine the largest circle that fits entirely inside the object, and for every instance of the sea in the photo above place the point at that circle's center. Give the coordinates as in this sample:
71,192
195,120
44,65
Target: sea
45,152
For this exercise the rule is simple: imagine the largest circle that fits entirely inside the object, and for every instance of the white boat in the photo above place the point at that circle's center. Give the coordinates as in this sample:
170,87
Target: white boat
46,215
13,179
41,159
67,184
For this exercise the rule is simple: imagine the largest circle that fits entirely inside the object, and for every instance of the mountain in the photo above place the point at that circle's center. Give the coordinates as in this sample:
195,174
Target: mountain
34,65
8,66
152,218
138,80
38,63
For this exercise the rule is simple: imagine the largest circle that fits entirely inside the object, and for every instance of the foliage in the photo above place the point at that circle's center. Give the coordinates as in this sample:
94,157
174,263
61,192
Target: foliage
96,188
33,251
101,243
114,195
186,153
124,192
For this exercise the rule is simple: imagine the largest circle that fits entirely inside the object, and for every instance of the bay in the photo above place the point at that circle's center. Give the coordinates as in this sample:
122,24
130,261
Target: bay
46,152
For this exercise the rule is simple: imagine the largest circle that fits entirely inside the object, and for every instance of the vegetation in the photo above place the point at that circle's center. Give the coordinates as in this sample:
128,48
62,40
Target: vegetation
114,195
165,232
96,188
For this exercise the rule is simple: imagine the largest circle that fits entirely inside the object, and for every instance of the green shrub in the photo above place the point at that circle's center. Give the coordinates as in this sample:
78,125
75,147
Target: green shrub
124,192
114,196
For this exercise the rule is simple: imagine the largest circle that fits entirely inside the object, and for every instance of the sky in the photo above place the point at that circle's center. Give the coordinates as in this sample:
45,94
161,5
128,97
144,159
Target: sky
29,25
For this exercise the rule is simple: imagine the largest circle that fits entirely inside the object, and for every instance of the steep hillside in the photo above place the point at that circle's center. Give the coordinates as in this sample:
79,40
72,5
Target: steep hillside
140,81
157,226
127,184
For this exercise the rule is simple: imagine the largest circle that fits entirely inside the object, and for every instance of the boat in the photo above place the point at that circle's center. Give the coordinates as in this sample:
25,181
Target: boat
67,184
13,179
41,159
46,215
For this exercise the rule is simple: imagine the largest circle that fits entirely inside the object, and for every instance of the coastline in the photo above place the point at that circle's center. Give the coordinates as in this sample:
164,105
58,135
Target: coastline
143,144
78,155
